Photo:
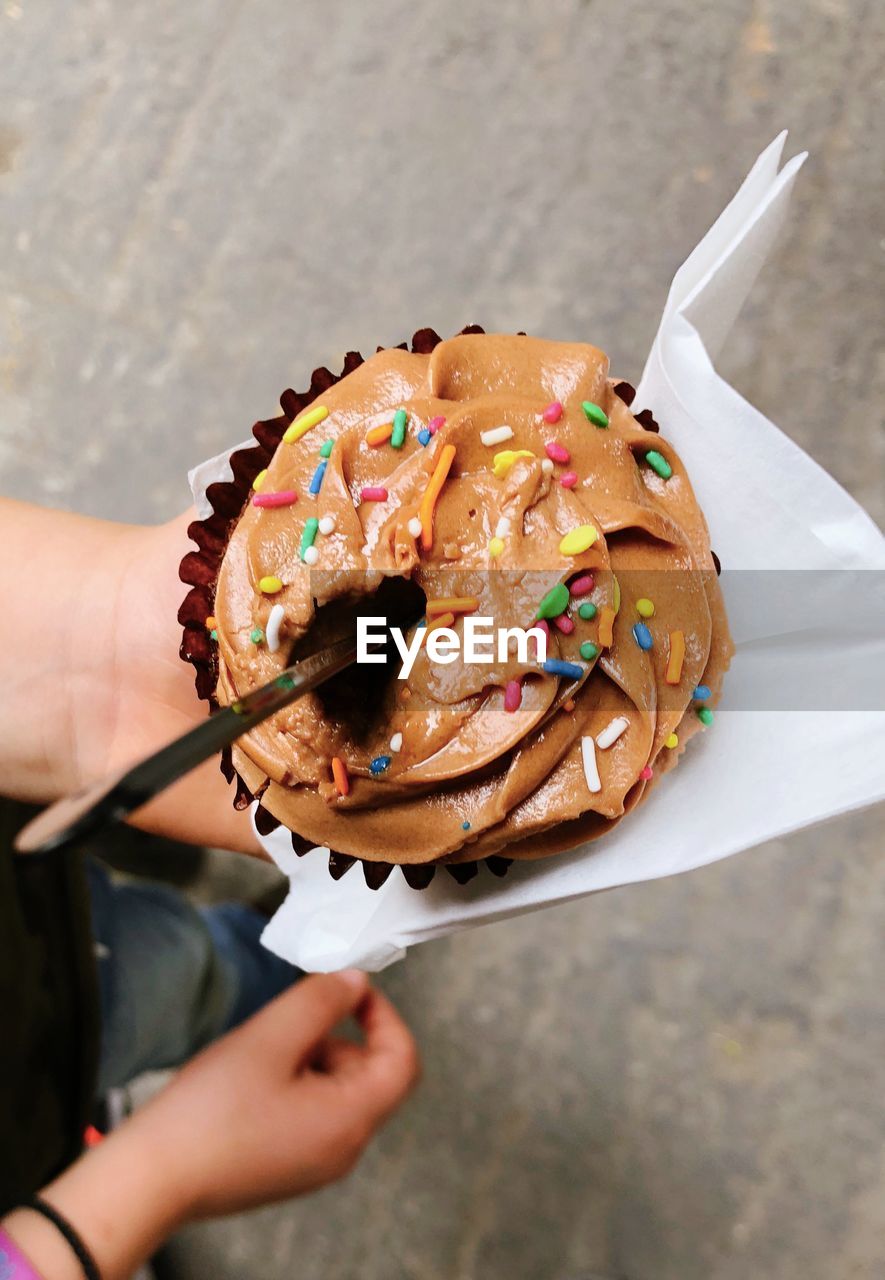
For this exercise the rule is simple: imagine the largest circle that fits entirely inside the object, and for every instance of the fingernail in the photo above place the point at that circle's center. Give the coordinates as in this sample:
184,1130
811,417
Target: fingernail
354,977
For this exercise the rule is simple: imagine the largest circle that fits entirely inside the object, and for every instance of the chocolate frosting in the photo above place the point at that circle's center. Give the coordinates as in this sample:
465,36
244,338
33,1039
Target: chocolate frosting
472,778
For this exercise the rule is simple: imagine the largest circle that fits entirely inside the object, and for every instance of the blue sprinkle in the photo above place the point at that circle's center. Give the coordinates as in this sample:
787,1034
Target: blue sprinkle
556,667
702,693
465,826
424,437
642,635
422,623
379,764
317,481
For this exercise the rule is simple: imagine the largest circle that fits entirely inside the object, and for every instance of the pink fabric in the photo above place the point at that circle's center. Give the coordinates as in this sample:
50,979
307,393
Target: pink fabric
13,1263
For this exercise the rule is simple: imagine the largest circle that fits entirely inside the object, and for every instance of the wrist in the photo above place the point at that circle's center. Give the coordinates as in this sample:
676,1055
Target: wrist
119,1199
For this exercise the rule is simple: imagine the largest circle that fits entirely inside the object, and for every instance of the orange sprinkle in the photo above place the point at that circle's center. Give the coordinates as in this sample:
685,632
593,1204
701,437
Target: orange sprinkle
339,774
452,604
211,622
677,655
443,620
432,492
606,625
569,704
379,435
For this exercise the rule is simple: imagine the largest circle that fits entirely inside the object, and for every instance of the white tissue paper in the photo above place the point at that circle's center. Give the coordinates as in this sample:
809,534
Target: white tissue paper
768,506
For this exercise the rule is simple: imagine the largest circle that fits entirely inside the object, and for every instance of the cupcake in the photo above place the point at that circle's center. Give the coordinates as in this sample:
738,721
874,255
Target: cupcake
482,477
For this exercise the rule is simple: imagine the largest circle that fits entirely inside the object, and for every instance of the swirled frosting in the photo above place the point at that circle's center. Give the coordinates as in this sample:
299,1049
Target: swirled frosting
463,772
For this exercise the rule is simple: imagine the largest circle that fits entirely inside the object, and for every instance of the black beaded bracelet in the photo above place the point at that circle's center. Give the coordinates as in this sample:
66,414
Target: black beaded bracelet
84,1257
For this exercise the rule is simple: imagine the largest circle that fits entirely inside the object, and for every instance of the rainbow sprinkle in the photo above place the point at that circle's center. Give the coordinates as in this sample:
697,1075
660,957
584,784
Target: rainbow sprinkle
553,412
677,656
591,770
373,493
557,452
556,667
272,631
326,448
379,765
303,424
311,528
340,776
432,492
270,584
594,414
379,435
659,464
554,603
317,481
642,636
398,432
512,695
611,732
284,498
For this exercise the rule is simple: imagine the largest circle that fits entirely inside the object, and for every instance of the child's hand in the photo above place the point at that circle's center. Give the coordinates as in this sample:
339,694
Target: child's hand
274,1109
281,1106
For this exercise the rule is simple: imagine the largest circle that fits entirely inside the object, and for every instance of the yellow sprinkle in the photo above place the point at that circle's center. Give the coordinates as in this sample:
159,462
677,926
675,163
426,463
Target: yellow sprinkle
672,741
617,594
270,585
503,461
496,546
259,480
578,540
211,623
303,424
645,608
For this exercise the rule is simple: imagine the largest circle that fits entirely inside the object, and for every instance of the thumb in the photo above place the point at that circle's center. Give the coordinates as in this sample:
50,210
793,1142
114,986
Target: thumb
293,1024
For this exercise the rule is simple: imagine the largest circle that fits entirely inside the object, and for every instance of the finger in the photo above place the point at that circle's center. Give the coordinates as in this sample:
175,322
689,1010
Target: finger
288,1029
388,1065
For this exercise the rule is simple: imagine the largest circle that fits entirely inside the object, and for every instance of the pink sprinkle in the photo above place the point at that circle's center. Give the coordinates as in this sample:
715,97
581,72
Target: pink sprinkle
543,624
512,695
564,624
582,586
646,773
373,493
553,412
284,498
569,480
557,452
434,425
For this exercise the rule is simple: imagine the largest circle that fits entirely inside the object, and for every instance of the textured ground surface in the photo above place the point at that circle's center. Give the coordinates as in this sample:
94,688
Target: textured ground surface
200,202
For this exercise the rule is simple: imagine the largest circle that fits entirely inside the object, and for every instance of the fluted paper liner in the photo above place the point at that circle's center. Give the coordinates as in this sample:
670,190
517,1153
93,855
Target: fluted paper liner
755,774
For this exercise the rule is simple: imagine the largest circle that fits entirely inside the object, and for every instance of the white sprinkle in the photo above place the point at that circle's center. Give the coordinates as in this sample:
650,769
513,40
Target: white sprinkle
272,630
547,465
396,743
311,555
611,733
502,528
327,525
588,759
497,435
414,527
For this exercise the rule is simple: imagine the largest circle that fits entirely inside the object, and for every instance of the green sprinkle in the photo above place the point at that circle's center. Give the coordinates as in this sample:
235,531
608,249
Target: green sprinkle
400,418
594,414
587,611
326,448
554,603
589,650
257,635
659,463
213,634
311,525
705,715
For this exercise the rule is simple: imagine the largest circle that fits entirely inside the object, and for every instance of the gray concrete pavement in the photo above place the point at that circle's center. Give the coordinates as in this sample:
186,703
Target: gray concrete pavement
201,202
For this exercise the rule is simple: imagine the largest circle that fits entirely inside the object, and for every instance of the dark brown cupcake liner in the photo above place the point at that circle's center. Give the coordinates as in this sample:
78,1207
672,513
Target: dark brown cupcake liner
199,570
